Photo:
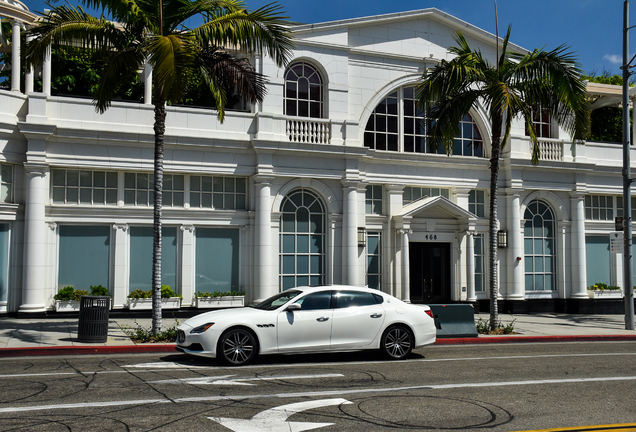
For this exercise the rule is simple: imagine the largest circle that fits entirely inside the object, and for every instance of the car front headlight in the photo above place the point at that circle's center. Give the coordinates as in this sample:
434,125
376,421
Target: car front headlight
201,328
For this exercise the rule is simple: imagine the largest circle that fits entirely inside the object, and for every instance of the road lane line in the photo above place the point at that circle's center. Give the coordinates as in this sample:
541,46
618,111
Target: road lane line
322,393
625,427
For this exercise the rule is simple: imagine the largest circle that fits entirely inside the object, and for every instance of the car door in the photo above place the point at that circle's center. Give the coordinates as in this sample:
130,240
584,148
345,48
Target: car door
307,329
357,319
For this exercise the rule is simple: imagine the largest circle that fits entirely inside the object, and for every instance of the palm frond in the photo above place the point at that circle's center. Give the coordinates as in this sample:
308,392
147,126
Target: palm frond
172,58
260,31
122,63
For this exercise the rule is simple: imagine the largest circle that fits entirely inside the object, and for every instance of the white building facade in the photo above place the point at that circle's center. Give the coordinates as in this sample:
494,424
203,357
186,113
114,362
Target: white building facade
329,180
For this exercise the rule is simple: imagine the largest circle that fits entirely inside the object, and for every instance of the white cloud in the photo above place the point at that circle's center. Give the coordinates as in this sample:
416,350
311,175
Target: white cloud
613,58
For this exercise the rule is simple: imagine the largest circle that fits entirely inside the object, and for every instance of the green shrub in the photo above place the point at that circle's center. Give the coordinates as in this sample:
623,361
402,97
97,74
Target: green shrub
220,294
69,293
483,326
140,294
599,286
98,290
141,334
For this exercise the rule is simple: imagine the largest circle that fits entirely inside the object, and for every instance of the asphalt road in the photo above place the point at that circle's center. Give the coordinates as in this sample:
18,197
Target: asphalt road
482,387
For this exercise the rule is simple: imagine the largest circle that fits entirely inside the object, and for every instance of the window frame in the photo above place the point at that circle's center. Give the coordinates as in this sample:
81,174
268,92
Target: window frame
315,99
81,188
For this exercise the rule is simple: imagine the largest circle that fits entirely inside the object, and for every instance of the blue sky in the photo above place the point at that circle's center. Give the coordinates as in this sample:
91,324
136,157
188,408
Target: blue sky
593,28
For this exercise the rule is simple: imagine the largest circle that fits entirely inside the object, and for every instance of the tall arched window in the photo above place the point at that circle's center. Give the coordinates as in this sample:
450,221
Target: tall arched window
398,124
302,240
539,232
303,91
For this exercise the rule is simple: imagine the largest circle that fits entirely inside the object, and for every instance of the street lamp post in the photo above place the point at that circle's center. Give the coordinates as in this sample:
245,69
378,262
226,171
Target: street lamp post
627,201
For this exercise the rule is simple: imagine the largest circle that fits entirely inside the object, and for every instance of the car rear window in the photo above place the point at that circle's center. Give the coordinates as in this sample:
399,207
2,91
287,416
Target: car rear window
346,299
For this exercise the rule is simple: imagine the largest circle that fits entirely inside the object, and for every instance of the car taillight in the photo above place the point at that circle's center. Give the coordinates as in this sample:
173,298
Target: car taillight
429,313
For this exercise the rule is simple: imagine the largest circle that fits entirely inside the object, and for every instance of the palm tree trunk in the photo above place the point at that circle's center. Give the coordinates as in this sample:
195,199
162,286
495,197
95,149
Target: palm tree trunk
497,122
160,129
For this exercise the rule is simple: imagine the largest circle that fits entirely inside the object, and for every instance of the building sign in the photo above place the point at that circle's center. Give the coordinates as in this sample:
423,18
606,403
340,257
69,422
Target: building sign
616,242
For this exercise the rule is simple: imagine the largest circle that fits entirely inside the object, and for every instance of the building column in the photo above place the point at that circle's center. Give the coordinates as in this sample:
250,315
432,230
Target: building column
46,72
470,267
28,75
577,253
516,289
187,264
35,235
147,83
263,250
406,275
350,233
16,66
120,269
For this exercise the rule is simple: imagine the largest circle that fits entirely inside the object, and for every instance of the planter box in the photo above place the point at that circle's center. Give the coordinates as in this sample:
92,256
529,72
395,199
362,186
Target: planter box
605,294
146,303
220,302
67,305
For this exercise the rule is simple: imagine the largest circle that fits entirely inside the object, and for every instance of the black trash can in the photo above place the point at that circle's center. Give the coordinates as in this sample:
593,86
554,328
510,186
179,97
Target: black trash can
93,319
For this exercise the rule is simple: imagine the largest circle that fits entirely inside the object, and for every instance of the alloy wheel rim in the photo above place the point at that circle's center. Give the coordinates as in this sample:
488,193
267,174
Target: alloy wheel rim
238,347
397,343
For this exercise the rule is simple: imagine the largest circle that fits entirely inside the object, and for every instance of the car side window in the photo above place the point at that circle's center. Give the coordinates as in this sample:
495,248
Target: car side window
346,299
378,298
316,301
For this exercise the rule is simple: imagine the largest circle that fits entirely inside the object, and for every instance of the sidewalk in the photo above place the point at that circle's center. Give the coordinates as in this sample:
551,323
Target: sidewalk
24,337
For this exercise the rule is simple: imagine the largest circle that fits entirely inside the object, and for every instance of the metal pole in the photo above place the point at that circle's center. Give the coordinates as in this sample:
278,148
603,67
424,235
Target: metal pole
627,201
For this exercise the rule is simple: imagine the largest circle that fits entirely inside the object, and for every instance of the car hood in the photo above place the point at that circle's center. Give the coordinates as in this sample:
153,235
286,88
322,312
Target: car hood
235,314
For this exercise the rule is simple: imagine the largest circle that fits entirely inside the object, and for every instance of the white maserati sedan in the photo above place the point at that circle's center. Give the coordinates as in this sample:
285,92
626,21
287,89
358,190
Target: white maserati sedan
307,320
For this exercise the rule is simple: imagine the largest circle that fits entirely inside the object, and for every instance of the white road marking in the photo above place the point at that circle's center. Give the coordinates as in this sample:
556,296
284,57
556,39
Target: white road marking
164,365
275,419
322,393
222,380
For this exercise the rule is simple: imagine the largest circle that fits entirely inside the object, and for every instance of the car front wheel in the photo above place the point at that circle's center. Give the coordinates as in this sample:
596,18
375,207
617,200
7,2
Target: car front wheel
237,347
397,342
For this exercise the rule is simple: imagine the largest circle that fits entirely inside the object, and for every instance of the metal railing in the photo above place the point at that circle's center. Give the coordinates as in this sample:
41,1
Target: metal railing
305,130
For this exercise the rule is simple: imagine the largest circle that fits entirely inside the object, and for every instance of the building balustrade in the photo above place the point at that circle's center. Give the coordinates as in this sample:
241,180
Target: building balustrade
308,130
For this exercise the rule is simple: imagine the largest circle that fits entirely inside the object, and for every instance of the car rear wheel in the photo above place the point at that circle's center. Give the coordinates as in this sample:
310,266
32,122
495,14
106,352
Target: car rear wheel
237,347
397,342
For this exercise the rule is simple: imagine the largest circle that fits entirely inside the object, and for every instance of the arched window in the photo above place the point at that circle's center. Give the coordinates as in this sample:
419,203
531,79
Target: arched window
303,91
539,232
302,240
398,124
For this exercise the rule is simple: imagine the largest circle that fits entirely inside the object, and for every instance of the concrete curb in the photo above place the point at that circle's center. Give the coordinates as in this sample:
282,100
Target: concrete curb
533,339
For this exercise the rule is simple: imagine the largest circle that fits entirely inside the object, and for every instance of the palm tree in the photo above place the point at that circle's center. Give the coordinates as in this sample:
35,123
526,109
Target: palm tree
155,31
512,88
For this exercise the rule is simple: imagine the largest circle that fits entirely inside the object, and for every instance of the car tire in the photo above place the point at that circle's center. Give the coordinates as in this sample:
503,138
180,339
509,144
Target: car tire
397,342
237,347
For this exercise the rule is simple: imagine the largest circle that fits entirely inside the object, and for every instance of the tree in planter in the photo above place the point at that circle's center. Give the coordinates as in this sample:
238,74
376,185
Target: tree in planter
513,87
157,32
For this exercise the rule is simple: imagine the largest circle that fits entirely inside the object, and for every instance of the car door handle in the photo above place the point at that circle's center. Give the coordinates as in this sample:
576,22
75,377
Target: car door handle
322,319
376,315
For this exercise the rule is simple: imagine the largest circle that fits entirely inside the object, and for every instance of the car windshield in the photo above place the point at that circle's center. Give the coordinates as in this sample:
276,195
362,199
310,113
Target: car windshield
276,301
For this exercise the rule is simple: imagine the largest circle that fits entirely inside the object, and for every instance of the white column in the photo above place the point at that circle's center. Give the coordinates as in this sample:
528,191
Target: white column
28,76
263,284
120,269
147,83
46,72
35,257
578,256
406,276
350,233
15,57
516,288
470,267
187,273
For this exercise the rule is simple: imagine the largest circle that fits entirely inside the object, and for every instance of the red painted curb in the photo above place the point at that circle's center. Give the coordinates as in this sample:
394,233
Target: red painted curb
78,350
531,339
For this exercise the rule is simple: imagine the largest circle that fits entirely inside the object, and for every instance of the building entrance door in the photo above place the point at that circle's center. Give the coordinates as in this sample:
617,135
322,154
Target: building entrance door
429,266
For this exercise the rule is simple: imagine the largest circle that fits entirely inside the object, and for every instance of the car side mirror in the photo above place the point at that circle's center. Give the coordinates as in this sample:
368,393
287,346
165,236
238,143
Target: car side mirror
293,307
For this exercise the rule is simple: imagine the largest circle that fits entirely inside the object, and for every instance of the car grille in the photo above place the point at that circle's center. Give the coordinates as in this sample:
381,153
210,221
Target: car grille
180,336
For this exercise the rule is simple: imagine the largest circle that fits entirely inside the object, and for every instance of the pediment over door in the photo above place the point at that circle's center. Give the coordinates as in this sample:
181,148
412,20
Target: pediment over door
437,207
